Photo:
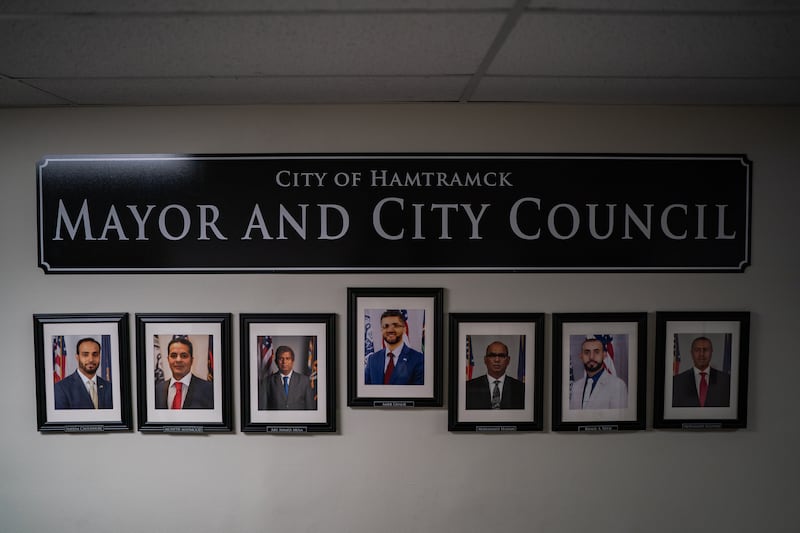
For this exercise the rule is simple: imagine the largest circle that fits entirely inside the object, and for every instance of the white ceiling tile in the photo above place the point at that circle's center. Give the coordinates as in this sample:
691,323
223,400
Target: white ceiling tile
246,45
215,6
254,6
695,6
651,45
15,93
639,91
172,52
205,91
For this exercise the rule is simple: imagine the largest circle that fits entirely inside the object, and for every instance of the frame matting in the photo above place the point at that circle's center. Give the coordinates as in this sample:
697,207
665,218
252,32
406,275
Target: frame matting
63,403
520,407
615,398
722,342
311,337
422,314
209,334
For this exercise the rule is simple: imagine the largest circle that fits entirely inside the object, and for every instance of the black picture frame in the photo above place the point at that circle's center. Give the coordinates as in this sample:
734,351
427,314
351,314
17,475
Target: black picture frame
521,401
61,405
210,337
424,323
676,402
623,347
312,338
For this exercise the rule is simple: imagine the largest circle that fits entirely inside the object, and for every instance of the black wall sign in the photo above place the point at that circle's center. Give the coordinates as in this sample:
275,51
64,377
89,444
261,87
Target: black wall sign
394,213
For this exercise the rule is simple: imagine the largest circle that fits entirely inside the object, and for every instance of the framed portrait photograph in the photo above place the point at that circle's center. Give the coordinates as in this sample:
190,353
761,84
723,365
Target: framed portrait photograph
394,344
82,372
599,371
496,372
288,371
184,372
701,370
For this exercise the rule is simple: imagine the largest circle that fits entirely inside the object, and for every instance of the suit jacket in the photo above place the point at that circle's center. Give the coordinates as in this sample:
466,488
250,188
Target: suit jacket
409,368
272,396
71,393
479,396
199,395
609,392
685,394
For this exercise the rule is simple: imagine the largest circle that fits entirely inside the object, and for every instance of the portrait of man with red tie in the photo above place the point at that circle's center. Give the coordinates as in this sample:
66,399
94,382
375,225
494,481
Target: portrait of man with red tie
183,390
701,385
396,363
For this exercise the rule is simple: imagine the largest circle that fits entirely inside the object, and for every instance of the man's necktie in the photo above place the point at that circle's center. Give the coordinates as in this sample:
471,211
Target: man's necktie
703,389
587,391
496,395
286,385
92,392
387,375
178,399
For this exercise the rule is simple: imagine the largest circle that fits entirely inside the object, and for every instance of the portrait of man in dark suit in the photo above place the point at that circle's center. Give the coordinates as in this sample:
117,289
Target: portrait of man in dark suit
701,385
495,389
183,390
84,389
397,363
286,389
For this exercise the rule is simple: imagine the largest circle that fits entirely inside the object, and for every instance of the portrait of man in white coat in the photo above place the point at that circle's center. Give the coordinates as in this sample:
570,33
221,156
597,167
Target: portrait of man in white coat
598,388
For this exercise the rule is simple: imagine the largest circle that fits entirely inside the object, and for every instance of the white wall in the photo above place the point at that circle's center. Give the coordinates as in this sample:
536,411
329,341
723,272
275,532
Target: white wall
660,481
